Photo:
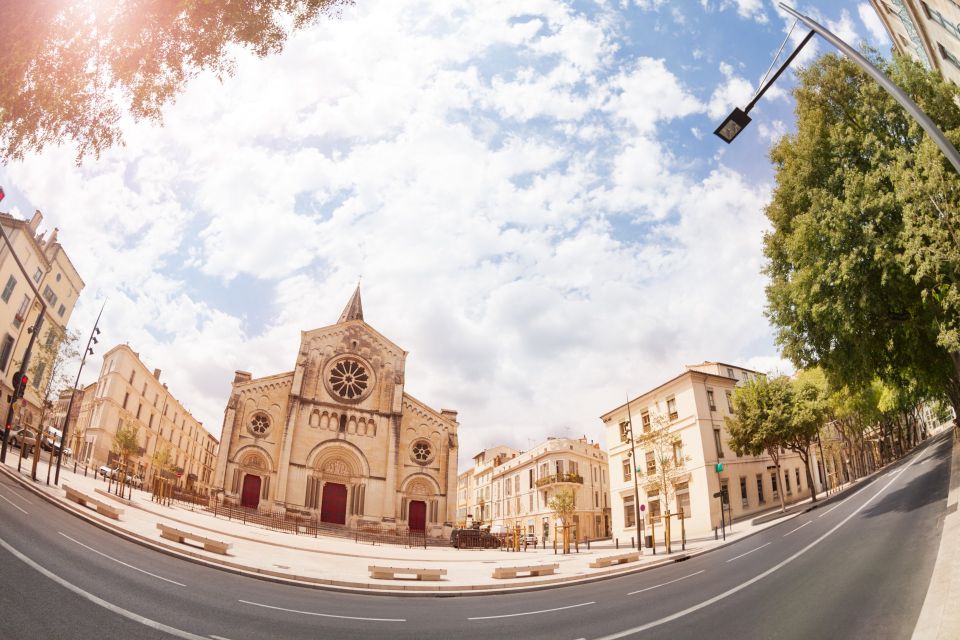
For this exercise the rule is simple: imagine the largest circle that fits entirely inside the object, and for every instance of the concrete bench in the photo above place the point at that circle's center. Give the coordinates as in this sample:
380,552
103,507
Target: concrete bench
88,501
178,535
607,561
533,570
389,573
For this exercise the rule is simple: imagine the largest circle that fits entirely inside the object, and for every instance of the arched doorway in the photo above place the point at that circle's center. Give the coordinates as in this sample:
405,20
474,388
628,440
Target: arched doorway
418,515
250,496
333,505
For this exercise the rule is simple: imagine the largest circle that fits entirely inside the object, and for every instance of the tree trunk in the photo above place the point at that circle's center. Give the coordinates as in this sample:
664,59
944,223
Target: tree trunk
805,458
776,461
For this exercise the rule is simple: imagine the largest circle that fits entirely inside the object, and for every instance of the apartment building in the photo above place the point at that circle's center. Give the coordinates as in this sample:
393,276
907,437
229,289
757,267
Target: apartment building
507,488
127,391
693,405
926,30
45,273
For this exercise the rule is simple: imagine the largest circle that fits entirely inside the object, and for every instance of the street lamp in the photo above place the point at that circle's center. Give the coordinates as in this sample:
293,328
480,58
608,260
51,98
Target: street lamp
634,471
66,419
727,131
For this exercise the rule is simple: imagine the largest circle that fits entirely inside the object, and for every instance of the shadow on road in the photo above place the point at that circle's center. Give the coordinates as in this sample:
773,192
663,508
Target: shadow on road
923,490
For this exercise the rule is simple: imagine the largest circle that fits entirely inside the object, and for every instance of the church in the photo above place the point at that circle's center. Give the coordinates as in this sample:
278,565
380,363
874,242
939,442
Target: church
338,437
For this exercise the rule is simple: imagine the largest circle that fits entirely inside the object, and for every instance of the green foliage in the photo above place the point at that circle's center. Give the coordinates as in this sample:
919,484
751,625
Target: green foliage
666,447
862,265
126,440
563,504
762,416
73,70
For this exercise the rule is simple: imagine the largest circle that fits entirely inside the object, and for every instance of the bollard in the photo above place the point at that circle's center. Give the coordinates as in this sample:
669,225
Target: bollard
588,544
714,533
576,544
631,542
616,543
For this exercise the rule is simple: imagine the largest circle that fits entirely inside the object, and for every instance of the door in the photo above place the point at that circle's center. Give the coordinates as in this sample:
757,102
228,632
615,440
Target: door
333,508
418,515
250,497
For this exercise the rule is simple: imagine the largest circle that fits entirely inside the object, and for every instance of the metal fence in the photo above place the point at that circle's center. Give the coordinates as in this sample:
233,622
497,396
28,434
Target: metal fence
361,533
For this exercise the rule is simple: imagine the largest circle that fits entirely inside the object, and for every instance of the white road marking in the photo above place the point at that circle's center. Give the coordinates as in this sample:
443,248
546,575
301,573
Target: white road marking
129,566
748,552
665,583
798,528
744,585
530,613
218,637
323,615
15,505
186,635
17,495
835,506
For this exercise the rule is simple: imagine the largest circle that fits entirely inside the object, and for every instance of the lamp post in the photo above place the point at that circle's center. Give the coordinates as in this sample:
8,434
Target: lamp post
66,421
634,473
737,120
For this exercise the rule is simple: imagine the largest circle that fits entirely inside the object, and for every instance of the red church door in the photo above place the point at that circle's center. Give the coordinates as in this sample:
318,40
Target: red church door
251,491
418,515
333,508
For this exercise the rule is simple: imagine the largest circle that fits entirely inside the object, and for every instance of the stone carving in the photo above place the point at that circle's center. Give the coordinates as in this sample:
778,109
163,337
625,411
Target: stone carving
253,461
337,467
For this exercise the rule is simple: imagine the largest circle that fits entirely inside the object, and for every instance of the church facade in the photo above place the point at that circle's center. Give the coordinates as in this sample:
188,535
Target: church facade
339,438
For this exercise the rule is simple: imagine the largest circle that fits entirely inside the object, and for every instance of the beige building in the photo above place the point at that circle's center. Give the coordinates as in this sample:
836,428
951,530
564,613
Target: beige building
693,405
127,391
926,30
511,488
48,270
338,436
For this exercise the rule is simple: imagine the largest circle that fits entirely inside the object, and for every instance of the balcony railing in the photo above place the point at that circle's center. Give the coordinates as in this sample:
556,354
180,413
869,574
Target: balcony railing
560,477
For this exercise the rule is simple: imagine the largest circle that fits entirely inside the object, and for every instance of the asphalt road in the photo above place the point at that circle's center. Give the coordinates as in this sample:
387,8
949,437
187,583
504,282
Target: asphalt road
857,567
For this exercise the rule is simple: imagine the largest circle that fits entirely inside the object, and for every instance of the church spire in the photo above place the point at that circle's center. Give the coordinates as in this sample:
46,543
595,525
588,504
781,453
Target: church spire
354,309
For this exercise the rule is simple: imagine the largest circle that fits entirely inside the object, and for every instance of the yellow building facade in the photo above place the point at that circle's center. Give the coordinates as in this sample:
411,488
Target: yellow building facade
339,438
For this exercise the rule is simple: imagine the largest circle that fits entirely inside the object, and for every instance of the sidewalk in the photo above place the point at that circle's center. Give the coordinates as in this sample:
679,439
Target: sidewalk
342,563
940,616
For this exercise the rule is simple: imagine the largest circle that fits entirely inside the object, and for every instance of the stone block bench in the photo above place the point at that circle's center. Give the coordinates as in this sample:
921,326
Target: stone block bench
622,558
88,501
389,573
181,536
532,570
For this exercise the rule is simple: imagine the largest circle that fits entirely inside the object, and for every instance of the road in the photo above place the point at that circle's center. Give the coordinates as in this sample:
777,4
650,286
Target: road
857,567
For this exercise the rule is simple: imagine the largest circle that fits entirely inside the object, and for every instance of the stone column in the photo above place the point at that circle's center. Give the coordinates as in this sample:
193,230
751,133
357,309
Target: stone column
226,438
283,467
393,461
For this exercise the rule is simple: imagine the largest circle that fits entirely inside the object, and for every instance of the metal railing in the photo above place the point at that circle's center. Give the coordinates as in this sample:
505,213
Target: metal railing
560,477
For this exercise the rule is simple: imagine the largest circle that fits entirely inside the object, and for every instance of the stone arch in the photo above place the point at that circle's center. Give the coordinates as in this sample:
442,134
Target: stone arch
254,457
328,450
420,484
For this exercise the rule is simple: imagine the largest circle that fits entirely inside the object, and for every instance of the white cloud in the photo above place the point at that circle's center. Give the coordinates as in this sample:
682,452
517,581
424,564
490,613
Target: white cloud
870,19
771,131
500,175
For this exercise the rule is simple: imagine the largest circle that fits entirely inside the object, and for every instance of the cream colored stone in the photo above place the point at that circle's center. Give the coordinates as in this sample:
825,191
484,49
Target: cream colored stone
340,420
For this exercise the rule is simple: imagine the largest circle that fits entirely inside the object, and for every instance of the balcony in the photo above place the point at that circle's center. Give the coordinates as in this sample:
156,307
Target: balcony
574,478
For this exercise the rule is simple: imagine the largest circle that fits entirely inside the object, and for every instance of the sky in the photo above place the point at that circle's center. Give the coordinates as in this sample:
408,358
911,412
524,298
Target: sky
529,191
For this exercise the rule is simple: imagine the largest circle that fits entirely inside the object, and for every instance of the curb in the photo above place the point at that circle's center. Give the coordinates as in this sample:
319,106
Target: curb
401,590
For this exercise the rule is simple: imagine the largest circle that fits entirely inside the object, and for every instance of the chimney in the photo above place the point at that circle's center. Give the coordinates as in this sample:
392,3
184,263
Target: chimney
241,376
53,236
35,221
156,372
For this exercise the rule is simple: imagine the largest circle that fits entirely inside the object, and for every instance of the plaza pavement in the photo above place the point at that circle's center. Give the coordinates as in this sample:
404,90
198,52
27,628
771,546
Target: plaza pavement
342,563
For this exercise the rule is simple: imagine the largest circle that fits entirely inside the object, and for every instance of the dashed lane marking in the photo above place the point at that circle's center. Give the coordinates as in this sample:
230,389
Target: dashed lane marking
129,566
18,496
322,615
748,552
179,633
656,586
798,528
530,613
15,505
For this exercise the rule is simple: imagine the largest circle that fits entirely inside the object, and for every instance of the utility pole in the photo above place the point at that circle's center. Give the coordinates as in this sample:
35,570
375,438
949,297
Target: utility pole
634,473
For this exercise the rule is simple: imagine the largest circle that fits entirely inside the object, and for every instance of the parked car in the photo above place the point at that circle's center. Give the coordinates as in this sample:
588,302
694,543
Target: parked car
108,472
531,539
22,437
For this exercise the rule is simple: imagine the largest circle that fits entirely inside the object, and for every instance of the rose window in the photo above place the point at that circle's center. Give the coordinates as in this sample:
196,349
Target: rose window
421,452
259,425
349,379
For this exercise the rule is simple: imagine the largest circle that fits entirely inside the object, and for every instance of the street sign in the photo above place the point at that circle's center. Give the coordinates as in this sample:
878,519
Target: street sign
643,507
718,494
719,467
179,474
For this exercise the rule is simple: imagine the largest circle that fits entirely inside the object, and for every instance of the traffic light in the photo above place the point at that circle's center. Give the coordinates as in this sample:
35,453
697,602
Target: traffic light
19,385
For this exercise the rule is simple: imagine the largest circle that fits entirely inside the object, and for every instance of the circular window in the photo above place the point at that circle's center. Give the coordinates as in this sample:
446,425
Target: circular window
349,379
259,425
421,452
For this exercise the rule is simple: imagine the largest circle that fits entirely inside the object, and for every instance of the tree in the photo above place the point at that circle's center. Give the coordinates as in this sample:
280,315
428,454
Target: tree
161,460
808,413
762,419
861,265
73,70
563,504
664,449
49,375
126,443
